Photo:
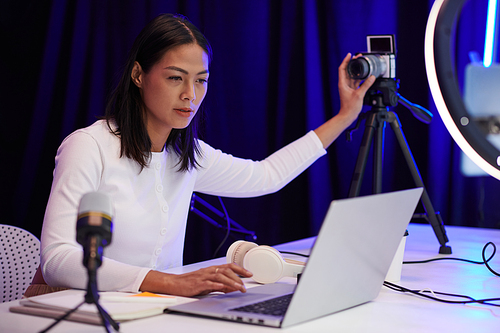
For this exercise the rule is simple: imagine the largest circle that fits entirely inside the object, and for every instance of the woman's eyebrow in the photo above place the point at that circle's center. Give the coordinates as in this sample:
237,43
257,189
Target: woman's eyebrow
175,68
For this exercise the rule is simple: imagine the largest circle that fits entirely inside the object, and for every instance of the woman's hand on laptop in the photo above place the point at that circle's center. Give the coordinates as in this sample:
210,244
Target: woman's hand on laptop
222,278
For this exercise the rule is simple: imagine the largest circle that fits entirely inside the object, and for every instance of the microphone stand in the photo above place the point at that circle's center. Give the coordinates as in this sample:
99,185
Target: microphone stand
92,295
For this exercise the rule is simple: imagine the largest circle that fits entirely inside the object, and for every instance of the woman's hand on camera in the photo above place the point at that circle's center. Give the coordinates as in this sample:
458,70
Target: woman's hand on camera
351,94
351,91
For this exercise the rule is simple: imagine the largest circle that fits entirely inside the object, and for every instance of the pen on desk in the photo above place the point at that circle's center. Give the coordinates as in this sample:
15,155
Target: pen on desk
144,297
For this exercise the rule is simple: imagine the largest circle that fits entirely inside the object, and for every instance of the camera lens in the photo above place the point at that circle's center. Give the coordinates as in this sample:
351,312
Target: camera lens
366,65
358,68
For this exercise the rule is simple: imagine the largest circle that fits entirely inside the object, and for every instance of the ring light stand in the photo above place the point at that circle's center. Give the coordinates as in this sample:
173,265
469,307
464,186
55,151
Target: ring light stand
444,88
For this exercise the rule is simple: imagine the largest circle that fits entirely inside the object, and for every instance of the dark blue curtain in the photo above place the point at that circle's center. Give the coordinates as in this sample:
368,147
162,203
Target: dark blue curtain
273,78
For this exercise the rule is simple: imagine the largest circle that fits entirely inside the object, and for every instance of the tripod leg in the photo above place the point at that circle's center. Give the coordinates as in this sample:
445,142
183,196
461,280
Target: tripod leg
106,318
434,218
364,149
92,297
378,158
66,315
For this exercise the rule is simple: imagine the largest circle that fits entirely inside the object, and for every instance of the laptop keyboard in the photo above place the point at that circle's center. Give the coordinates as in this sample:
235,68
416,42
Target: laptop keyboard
274,306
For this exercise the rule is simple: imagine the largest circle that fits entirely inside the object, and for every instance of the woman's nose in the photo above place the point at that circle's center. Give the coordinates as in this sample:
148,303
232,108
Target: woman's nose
188,93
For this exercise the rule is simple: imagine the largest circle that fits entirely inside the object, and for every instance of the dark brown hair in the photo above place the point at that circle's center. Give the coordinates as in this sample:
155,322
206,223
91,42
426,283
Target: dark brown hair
125,106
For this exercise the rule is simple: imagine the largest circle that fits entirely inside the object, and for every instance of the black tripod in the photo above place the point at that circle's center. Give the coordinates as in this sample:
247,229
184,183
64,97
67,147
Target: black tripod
92,297
380,96
94,231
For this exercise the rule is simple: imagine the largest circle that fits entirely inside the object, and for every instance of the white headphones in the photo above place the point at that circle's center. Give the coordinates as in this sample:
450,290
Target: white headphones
266,263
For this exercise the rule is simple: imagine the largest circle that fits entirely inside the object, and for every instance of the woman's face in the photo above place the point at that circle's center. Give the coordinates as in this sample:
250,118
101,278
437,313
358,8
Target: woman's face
173,89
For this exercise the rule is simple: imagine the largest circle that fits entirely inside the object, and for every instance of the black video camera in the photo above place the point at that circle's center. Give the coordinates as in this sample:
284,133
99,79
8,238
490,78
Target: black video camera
380,60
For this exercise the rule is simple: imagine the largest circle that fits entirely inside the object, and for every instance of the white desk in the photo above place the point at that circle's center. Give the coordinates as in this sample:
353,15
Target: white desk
389,312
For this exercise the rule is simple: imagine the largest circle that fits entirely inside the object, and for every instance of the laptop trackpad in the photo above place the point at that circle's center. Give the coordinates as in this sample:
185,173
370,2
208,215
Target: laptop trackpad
237,299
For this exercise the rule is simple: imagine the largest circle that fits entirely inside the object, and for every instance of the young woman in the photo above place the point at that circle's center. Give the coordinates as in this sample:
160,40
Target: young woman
145,155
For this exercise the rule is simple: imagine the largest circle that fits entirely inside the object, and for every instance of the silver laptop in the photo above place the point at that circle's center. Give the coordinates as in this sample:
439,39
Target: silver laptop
347,265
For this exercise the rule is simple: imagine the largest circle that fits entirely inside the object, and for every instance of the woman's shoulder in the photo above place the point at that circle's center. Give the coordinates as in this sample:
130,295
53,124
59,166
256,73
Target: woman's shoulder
100,128
99,133
210,156
206,150
93,144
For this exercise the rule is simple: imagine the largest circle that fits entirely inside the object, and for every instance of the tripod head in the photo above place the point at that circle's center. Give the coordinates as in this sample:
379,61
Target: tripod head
384,94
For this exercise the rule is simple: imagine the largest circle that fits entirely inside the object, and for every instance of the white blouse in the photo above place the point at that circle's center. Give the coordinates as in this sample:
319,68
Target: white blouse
150,206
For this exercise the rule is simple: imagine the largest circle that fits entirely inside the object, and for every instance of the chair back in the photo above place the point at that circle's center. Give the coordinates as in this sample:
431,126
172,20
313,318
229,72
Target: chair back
19,260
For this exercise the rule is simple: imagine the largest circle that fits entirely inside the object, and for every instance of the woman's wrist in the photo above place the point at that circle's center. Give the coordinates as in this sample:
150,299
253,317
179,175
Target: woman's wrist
330,130
157,282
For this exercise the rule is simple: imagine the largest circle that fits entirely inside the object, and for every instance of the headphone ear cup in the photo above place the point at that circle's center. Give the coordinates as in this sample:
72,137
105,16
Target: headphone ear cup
237,251
265,263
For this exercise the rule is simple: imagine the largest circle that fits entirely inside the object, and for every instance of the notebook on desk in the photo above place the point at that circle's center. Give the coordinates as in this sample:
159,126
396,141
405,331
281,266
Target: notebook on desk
347,266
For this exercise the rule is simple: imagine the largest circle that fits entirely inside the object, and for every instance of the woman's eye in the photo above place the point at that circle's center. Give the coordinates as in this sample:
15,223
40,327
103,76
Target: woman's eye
175,78
203,80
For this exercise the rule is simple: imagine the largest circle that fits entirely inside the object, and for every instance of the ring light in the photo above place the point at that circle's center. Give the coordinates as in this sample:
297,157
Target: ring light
445,91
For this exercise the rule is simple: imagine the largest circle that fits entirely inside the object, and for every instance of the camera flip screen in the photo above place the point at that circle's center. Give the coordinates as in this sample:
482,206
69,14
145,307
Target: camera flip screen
380,45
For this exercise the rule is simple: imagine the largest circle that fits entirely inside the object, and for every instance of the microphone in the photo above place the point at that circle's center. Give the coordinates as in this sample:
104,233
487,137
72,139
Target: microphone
93,232
94,227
